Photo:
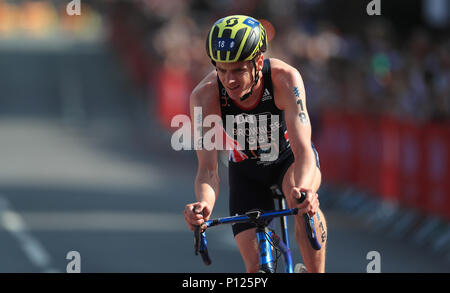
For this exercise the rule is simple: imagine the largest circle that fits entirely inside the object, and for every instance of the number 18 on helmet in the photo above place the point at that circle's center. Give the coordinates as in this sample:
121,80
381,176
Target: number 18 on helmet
235,38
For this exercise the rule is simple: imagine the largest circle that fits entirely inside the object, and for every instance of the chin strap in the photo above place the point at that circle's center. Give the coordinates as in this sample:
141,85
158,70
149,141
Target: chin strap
244,97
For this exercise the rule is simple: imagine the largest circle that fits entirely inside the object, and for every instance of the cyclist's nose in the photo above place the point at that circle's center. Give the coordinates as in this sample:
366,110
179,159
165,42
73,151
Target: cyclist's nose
230,79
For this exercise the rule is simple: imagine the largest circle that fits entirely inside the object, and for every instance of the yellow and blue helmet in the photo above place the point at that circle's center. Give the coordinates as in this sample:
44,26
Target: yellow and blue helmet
235,38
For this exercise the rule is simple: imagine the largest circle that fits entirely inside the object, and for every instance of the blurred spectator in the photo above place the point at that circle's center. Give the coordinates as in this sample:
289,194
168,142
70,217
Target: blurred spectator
47,20
366,67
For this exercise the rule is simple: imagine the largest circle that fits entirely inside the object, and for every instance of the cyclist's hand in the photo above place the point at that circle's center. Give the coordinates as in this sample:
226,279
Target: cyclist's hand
195,214
311,203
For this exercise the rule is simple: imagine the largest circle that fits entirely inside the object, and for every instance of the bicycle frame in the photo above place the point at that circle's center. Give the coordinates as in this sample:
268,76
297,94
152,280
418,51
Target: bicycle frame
266,260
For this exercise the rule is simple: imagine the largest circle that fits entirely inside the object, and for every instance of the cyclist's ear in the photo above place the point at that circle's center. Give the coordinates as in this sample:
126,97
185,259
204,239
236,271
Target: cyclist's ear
259,60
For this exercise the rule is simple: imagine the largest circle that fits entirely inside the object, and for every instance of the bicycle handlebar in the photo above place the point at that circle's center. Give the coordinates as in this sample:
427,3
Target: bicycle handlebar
309,225
200,244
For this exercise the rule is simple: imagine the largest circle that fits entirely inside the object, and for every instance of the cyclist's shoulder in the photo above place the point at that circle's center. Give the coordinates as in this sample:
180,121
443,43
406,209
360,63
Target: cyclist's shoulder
285,78
206,91
280,70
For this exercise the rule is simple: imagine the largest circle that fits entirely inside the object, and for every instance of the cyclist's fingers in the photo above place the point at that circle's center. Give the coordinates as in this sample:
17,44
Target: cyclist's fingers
191,218
188,210
193,222
194,215
203,209
304,210
199,207
310,204
197,222
188,222
314,207
308,199
295,196
206,213
193,209
197,217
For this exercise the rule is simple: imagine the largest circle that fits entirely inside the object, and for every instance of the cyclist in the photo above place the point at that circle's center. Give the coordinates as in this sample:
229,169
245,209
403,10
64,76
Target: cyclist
244,83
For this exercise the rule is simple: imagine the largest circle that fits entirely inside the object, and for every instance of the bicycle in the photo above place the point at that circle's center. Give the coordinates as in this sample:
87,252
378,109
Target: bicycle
266,237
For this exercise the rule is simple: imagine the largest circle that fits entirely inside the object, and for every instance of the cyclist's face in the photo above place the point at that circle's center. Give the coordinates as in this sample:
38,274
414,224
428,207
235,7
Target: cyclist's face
237,78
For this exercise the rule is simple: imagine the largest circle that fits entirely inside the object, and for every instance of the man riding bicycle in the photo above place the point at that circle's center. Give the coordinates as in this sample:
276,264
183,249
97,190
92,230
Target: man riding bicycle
247,85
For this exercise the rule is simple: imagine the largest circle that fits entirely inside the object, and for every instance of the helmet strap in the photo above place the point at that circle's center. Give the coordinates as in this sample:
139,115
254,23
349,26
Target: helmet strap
247,95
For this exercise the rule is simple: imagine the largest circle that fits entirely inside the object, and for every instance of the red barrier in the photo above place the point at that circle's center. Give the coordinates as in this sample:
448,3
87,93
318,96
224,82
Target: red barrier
394,159
325,148
344,144
411,165
437,170
334,148
367,152
356,130
388,187
173,90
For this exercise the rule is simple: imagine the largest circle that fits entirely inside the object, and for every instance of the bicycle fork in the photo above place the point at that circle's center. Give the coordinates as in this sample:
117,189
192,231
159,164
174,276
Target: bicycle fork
266,261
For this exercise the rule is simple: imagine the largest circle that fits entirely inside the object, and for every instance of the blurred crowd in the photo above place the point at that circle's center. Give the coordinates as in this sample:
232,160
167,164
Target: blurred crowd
47,19
372,68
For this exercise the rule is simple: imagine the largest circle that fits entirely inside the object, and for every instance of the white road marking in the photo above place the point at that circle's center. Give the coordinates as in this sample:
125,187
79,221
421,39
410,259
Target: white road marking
113,221
33,249
105,221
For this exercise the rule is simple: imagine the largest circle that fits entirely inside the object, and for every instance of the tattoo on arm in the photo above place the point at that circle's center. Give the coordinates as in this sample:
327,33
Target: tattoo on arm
200,131
303,119
323,231
302,114
296,92
300,102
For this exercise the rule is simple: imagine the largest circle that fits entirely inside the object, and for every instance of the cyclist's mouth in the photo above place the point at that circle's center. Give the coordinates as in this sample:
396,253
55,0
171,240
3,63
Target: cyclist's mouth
233,89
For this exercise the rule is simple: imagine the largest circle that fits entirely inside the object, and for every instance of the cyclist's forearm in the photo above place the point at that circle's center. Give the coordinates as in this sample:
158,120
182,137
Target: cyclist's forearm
306,174
207,187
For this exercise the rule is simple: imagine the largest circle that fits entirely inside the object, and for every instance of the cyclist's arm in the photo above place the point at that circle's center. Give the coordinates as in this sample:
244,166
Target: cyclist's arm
205,97
291,98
